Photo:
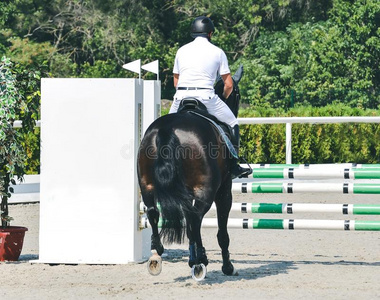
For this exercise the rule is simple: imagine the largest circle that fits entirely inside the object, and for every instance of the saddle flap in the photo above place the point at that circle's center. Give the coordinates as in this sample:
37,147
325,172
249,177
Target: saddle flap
223,129
196,107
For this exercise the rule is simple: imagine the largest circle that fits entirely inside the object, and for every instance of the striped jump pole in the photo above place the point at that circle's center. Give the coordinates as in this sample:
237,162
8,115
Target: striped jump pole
314,166
326,173
287,224
305,187
291,208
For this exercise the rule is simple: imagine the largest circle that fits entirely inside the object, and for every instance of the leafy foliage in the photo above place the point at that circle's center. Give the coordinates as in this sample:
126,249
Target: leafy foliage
294,51
317,63
11,152
19,98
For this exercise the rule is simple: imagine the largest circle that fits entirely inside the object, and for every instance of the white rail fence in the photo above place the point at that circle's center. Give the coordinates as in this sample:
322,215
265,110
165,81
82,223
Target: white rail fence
302,120
29,190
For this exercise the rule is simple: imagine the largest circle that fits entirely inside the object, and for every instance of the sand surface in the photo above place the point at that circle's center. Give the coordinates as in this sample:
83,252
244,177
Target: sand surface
272,264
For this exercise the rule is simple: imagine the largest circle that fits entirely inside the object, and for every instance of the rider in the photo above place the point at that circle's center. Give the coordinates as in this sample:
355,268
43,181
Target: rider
196,67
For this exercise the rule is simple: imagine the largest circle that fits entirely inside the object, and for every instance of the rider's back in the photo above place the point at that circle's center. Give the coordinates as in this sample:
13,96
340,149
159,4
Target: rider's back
198,63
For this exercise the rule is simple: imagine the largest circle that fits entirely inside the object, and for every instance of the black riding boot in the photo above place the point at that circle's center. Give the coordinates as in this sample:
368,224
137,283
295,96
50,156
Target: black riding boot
236,170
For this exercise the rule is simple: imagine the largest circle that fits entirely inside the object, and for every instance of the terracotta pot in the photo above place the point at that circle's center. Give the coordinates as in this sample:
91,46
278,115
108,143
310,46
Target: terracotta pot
11,242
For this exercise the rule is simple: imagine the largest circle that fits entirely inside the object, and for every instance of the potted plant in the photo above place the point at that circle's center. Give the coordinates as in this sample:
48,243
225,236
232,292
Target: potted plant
12,157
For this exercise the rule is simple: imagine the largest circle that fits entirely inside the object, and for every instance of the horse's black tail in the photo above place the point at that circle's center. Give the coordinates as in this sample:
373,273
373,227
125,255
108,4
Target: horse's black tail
169,187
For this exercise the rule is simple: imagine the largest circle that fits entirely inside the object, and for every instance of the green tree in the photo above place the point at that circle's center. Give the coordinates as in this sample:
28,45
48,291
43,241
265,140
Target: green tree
318,63
309,51
14,106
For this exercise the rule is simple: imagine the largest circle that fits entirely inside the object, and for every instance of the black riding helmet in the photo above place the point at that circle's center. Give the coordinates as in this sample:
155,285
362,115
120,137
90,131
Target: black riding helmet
201,26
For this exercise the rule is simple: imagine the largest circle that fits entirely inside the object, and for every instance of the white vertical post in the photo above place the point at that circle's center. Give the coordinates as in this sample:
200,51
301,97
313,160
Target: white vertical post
288,146
151,110
90,134
151,103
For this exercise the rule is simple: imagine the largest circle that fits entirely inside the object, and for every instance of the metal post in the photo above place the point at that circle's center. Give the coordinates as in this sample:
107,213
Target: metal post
288,143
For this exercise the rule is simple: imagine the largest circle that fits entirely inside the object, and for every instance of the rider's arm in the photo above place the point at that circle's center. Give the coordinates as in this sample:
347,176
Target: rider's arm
228,85
175,79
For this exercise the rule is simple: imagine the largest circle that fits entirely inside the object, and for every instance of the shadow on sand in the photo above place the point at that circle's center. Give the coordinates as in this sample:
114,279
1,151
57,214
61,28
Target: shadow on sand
257,268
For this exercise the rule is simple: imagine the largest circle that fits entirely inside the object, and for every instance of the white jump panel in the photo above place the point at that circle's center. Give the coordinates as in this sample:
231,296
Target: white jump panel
89,201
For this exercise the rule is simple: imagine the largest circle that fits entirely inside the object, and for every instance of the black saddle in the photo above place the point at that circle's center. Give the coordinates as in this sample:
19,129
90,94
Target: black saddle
192,104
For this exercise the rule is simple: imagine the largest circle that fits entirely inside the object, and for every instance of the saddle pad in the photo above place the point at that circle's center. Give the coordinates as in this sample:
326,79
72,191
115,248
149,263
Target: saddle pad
230,147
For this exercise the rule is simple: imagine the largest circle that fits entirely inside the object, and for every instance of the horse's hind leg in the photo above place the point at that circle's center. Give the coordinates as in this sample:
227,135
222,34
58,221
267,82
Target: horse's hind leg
197,256
192,248
153,214
153,217
223,203
197,251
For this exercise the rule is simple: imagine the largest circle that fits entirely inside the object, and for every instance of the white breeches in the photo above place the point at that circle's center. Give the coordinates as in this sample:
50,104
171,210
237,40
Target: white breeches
214,104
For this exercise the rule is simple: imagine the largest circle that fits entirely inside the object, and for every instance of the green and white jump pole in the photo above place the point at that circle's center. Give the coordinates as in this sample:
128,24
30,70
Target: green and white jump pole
287,224
292,208
314,166
305,187
324,173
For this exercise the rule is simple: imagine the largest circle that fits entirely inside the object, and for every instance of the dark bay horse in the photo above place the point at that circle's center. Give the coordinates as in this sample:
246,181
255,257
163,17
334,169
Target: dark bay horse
183,168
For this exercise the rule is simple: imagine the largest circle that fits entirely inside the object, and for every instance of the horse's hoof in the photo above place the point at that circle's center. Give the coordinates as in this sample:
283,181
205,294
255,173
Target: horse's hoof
198,272
154,264
234,272
230,271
